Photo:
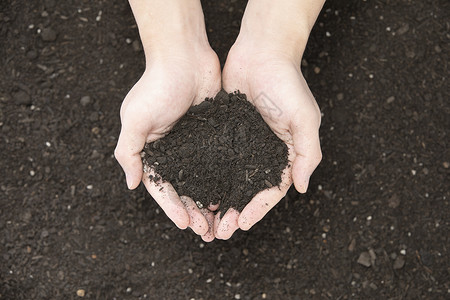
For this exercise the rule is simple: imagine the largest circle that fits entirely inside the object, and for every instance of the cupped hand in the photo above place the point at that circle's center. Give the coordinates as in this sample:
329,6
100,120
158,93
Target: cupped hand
274,84
171,84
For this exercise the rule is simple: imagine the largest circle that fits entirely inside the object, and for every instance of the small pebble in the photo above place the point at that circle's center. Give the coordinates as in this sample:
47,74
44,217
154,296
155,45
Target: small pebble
364,259
60,275
402,30
403,252
85,100
399,262
340,96
390,99
352,245
81,293
136,46
394,201
48,35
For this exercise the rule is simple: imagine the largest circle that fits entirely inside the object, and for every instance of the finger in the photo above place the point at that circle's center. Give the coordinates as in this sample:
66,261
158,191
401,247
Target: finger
307,148
197,221
167,198
209,235
127,153
213,207
264,201
228,224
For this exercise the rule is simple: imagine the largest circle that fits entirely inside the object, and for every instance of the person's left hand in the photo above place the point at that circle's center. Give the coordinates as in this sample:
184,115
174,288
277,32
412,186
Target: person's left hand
274,84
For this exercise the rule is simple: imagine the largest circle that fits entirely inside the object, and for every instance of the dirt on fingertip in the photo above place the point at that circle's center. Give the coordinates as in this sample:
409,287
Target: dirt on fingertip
221,151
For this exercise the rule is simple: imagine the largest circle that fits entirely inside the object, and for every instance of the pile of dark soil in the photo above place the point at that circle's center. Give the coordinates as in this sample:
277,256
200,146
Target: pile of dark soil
221,151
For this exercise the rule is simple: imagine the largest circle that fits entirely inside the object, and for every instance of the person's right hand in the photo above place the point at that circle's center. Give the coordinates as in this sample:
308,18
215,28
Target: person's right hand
172,82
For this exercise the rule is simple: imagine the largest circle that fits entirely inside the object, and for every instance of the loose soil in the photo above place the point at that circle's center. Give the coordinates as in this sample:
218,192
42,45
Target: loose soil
221,151
373,225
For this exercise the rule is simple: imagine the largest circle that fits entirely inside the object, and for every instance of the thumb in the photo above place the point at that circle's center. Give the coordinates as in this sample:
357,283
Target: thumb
305,135
128,155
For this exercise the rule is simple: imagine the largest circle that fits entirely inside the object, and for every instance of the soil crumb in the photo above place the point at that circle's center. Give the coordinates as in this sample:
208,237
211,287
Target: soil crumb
221,151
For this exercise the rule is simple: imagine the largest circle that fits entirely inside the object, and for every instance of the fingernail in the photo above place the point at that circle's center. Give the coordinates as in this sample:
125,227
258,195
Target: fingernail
306,184
129,181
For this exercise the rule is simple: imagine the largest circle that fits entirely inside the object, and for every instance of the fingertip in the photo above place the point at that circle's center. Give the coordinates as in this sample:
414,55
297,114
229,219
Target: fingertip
301,185
167,198
198,225
128,155
244,223
198,229
181,223
208,238
197,221
213,207
301,173
209,235
133,180
228,224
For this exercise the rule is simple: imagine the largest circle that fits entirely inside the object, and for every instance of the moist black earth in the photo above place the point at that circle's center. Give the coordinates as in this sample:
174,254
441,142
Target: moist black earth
221,152
374,223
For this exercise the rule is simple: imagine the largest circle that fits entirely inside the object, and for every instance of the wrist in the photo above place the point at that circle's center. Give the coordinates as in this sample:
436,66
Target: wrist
288,46
169,26
279,26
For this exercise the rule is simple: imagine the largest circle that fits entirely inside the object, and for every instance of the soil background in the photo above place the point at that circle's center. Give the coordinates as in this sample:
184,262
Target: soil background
374,224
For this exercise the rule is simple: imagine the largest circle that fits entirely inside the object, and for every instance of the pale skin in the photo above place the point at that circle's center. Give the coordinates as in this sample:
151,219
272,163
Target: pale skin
182,70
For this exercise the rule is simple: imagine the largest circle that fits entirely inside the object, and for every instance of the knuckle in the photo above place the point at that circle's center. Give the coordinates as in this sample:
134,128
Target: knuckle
319,157
119,154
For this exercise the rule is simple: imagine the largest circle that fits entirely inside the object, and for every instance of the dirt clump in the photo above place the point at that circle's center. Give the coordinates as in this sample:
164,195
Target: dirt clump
221,151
